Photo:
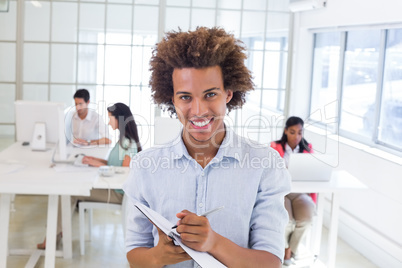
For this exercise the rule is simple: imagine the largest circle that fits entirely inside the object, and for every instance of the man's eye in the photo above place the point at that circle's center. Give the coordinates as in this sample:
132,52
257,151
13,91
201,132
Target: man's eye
209,95
184,97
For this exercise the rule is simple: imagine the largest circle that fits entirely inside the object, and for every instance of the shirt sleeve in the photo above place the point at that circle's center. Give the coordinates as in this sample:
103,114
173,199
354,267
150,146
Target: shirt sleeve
269,216
138,228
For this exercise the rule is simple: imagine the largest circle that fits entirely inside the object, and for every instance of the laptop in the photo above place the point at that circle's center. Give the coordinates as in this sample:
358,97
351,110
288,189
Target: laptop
310,167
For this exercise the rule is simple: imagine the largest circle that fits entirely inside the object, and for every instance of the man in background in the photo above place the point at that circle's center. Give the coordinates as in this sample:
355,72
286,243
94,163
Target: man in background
87,126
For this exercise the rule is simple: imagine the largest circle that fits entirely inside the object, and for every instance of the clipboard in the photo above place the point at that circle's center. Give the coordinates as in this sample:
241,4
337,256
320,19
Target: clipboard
203,259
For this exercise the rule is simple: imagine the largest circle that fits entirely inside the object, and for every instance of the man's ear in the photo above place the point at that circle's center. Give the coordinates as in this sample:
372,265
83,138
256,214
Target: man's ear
229,96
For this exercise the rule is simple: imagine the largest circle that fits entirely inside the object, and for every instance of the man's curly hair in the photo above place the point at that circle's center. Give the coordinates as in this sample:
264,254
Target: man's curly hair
204,47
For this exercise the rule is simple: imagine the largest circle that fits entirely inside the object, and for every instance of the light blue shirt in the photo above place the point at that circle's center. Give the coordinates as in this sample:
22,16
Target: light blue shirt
248,179
118,153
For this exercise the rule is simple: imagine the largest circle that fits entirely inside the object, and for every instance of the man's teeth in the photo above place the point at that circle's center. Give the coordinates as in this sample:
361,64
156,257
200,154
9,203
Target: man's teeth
201,124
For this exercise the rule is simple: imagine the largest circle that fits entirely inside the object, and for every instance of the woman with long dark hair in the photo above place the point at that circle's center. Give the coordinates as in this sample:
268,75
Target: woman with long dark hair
120,117
300,206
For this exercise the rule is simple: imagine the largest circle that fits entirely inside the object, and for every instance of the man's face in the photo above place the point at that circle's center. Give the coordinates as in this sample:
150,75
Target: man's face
81,105
200,102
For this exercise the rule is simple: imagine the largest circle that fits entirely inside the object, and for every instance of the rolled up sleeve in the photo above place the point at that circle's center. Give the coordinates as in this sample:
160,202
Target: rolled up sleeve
269,216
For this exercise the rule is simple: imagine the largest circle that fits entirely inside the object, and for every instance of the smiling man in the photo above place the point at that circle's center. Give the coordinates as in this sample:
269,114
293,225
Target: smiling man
200,102
199,76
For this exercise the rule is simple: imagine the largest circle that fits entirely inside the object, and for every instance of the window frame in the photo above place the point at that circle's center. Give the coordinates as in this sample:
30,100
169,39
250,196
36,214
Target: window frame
373,141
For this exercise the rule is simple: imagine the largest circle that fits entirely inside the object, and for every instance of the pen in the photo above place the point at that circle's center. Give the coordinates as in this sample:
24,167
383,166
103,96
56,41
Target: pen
207,213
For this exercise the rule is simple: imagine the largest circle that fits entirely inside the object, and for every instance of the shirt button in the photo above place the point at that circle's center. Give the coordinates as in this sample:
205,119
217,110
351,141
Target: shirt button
200,205
202,174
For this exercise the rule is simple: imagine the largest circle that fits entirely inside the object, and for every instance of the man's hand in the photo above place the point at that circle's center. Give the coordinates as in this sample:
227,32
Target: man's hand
195,231
167,252
80,141
92,161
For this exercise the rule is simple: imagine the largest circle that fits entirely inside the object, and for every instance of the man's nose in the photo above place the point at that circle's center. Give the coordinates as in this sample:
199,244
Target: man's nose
199,107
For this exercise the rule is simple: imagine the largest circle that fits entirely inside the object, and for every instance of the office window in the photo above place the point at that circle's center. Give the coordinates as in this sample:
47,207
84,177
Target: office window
204,3
177,17
267,41
64,22
8,71
325,75
360,82
275,61
369,84
390,127
230,20
7,98
255,5
9,18
101,46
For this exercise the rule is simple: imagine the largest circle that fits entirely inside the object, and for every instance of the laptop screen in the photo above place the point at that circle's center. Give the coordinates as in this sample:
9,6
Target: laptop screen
310,167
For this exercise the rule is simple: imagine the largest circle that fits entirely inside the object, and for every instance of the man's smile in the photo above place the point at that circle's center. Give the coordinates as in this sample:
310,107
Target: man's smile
201,124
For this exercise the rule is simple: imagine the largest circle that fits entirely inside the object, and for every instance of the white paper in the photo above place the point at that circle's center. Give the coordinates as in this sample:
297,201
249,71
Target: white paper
203,259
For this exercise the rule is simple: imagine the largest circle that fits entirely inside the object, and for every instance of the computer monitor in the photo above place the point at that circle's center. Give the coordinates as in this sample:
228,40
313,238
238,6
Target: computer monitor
40,123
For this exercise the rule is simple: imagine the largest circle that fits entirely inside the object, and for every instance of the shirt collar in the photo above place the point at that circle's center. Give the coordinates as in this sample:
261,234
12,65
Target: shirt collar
230,147
87,118
289,149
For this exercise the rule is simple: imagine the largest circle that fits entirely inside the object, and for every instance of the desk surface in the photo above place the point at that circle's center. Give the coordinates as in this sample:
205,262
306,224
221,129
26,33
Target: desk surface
31,173
35,175
113,182
340,180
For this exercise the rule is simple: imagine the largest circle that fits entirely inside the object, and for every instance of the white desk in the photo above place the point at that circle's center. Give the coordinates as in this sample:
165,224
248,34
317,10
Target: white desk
37,177
113,182
340,181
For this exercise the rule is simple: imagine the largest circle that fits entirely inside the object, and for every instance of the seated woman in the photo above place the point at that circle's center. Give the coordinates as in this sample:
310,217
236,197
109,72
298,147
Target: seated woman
300,206
120,117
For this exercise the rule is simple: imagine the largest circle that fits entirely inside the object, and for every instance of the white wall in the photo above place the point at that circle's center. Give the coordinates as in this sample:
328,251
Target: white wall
370,220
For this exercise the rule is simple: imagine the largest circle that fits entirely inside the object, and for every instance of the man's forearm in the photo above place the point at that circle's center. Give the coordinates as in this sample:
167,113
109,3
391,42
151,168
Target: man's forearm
232,255
142,258
101,141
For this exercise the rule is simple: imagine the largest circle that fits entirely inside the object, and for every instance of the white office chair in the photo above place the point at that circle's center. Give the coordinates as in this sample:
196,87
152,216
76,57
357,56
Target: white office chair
89,206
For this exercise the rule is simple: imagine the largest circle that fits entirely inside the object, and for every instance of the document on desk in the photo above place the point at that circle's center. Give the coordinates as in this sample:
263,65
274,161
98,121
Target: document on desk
203,259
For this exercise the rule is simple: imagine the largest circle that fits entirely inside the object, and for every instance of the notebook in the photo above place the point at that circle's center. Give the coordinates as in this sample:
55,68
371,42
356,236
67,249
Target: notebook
310,167
203,259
